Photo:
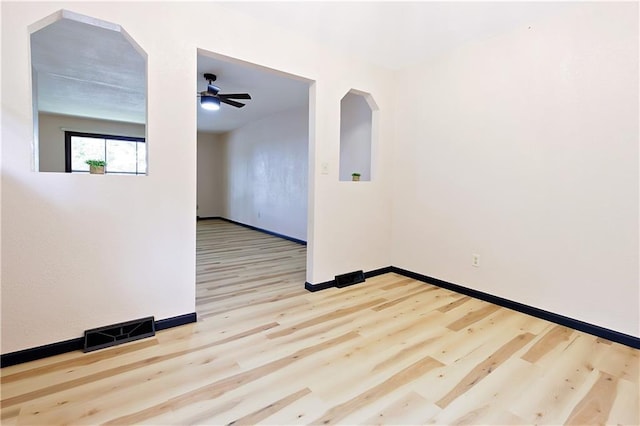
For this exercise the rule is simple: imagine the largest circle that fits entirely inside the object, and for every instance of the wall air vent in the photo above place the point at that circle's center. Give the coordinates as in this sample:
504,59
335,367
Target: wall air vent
111,335
350,278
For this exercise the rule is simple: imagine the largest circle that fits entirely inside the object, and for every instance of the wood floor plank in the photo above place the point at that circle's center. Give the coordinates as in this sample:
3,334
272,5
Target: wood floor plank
220,387
596,405
300,412
397,300
473,316
326,317
391,350
399,379
102,401
90,358
488,402
474,344
620,361
485,368
561,384
263,413
627,397
410,409
556,336
454,304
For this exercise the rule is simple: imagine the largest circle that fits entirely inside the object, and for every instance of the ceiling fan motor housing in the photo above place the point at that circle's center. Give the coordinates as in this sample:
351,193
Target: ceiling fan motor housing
211,98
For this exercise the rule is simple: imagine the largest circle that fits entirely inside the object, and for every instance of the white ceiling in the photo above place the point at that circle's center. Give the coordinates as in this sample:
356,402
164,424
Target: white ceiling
271,91
397,34
93,71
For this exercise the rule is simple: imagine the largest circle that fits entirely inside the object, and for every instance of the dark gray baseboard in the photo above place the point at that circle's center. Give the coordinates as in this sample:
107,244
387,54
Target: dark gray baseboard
255,228
328,284
71,345
605,333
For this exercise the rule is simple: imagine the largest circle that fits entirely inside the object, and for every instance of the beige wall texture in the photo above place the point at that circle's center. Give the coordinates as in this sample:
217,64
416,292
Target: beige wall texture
523,148
266,173
211,171
73,258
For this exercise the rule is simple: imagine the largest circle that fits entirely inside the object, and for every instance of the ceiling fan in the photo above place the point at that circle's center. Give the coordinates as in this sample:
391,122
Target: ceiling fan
211,98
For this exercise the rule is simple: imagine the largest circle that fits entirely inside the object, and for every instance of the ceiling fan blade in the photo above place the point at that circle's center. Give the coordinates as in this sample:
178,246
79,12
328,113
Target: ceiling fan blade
213,88
232,103
235,95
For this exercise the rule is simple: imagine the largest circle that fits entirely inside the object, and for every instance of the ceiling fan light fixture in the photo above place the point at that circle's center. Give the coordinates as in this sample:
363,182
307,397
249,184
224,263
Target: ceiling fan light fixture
211,98
211,103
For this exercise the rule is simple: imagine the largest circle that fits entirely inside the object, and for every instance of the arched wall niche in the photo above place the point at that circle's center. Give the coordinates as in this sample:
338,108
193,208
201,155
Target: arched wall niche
358,114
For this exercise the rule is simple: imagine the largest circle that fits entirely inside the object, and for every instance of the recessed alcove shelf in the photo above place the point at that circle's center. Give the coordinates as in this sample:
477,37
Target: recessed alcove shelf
357,114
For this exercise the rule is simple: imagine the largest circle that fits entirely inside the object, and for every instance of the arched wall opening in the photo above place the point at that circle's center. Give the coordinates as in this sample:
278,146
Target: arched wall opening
357,110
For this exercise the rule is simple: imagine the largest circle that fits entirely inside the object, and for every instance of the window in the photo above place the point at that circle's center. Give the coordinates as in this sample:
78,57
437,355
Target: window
124,155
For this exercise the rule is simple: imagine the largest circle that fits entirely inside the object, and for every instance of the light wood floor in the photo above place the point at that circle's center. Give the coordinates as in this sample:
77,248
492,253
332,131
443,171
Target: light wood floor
389,351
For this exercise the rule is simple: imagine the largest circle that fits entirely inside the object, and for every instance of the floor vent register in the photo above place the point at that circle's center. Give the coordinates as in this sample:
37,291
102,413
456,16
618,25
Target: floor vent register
111,335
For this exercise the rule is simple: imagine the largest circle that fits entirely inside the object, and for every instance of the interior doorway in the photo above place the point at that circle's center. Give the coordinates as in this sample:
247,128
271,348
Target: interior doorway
252,178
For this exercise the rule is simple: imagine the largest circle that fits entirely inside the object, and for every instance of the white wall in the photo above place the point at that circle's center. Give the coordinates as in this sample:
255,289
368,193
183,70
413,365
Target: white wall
210,193
73,259
524,149
51,135
266,173
356,121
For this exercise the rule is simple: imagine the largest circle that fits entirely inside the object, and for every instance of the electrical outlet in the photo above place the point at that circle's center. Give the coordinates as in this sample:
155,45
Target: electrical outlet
475,260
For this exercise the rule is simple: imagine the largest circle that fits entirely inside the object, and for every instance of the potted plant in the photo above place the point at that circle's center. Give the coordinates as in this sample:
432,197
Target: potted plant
355,177
96,167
